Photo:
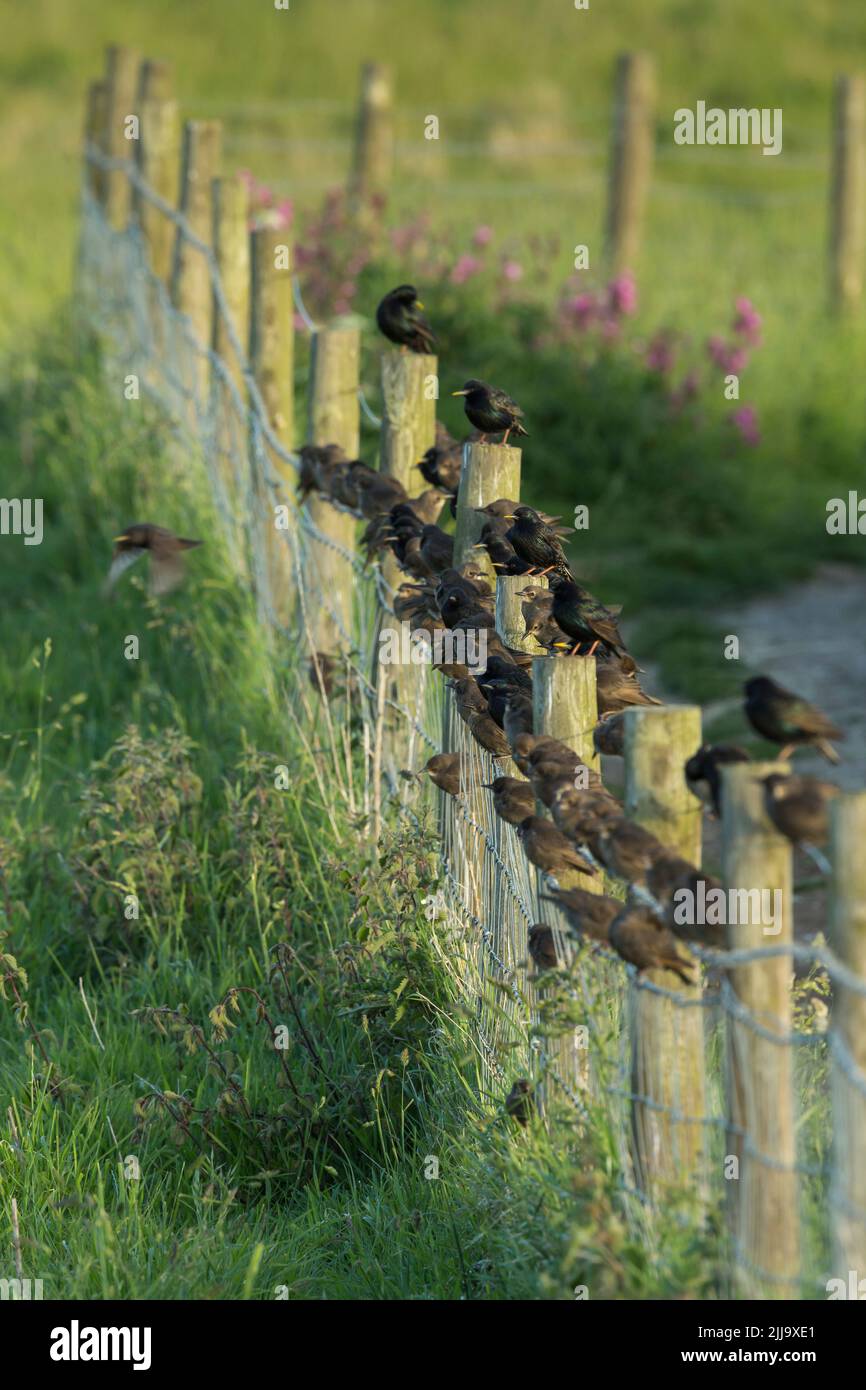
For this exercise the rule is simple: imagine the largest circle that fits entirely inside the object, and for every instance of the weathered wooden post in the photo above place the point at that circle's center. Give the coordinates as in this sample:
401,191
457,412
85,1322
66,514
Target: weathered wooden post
757,859
122,83
95,135
565,707
631,158
191,284
848,1039
334,418
848,192
231,244
488,471
666,1030
374,142
158,153
272,338
409,392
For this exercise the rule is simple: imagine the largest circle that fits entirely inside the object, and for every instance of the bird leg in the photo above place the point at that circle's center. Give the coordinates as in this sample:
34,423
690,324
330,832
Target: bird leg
505,436
592,648
575,649
786,752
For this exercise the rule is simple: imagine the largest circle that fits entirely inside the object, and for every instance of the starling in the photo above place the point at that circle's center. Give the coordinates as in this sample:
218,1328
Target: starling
584,618
588,914
490,410
321,671
536,603
583,815
608,736
503,556
542,947
703,775
443,769
436,548
638,936
548,849
486,731
318,464
536,542
513,800
548,778
669,876
519,1103
441,464
784,718
525,744
628,850
166,556
518,715
398,318
799,807
616,688
548,634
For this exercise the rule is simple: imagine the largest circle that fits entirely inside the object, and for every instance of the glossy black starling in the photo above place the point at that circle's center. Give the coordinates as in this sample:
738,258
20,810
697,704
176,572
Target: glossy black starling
548,849
443,769
703,771
784,718
536,542
639,938
164,548
513,800
490,410
519,1103
799,807
436,548
398,318
588,914
584,618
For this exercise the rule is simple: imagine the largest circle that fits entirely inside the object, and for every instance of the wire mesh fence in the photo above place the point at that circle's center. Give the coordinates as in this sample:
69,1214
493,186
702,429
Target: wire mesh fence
712,1093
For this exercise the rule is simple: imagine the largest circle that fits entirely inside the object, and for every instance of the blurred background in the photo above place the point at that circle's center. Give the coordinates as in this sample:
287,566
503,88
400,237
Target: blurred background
700,507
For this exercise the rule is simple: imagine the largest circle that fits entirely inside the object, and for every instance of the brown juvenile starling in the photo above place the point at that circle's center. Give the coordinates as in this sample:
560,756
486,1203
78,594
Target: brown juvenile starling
490,410
628,850
588,914
398,318
165,550
608,736
513,800
542,947
443,769
518,716
548,634
703,771
638,936
583,814
784,718
441,464
799,807
519,1103
617,688
548,849
318,464
669,877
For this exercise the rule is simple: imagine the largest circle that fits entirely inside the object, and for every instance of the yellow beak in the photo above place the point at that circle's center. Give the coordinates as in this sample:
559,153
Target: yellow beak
418,304
460,393
509,518
118,539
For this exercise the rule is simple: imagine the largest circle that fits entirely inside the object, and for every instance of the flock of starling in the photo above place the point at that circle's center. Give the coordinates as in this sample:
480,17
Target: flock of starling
566,821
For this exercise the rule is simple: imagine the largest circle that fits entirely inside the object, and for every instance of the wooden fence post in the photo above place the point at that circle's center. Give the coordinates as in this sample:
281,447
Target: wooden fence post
761,1101
631,158
191,285
510,622
155,81
334,418
159,166
667,1039
122,83
488,471
95,134
848,1039
232,248
408,430
374,143
564,705
848,192
272,355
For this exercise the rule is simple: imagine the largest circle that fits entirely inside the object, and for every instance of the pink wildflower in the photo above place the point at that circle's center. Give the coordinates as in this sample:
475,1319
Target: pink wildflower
622,294
482,235
465,267
746,422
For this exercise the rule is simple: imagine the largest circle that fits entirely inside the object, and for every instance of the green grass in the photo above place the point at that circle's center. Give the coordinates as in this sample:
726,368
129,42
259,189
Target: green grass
135,1044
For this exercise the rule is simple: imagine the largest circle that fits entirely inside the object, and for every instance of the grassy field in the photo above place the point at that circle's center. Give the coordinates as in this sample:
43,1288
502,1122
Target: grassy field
157,1144
259,1171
